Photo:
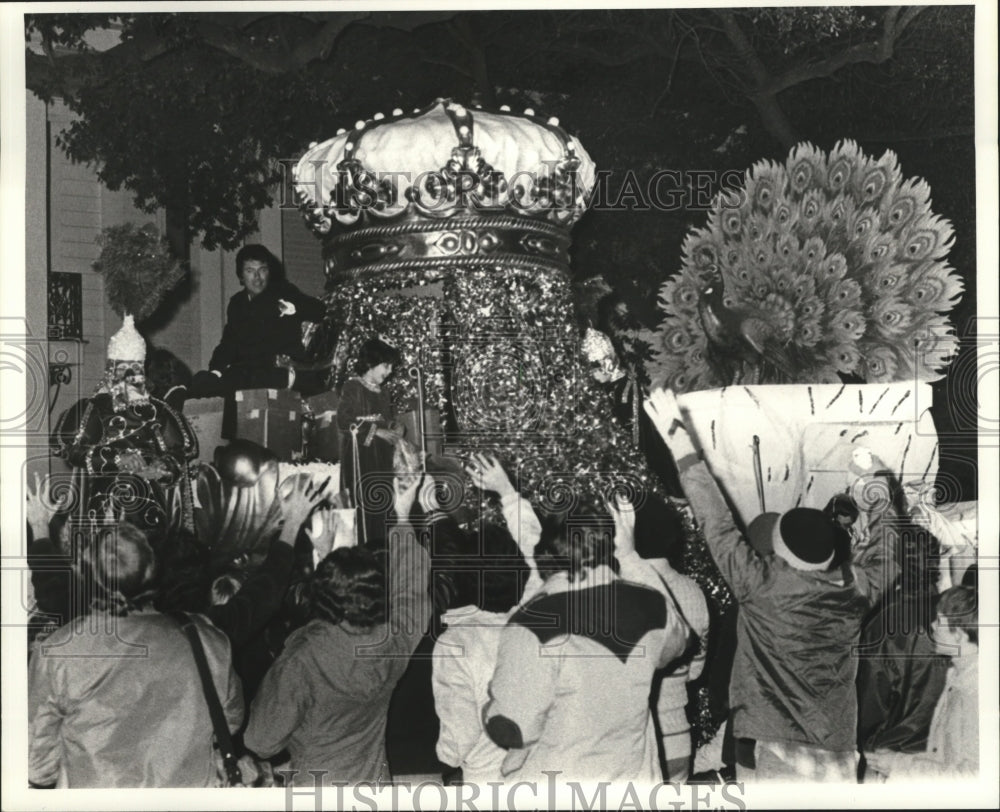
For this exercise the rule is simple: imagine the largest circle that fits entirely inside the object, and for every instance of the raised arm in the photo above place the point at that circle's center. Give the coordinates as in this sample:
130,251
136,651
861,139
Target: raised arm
409,604
743,569
51,569
634,568
875,564
522,521
260,597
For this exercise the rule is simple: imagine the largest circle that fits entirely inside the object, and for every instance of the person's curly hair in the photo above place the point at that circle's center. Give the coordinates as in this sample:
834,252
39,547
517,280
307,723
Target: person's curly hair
350,585
570,544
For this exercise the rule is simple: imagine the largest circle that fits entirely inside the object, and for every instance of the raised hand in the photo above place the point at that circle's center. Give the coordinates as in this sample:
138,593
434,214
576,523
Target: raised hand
298,502
406,487
40,508
665,412
486,472
623,514
427,494
321,530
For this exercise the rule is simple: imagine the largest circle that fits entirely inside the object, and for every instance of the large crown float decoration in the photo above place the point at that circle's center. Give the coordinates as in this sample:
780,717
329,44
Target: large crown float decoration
448,231
445,186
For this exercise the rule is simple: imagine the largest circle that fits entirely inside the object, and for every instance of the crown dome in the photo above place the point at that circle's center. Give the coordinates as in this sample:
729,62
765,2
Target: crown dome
444,160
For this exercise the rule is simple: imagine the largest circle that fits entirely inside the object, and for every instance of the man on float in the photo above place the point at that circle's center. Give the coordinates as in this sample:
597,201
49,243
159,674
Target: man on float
262,339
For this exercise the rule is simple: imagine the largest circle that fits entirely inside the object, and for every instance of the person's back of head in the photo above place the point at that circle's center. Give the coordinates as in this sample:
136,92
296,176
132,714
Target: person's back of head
122,567
482,568
658,530
350,585
958,608
804,538
575,544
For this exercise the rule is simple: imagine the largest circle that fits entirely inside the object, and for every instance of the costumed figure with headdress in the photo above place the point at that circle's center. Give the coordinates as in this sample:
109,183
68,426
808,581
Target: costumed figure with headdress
130,451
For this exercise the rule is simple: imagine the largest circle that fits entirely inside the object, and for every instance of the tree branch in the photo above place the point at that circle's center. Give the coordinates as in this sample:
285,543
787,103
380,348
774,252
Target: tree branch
764,98
71,71
877,52
444,63
602,58
239,45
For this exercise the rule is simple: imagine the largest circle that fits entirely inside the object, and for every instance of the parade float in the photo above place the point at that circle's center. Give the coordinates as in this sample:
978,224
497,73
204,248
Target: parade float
446,231
808,321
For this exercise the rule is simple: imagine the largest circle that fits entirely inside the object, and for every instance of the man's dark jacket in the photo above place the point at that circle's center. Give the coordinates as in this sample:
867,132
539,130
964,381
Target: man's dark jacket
256,332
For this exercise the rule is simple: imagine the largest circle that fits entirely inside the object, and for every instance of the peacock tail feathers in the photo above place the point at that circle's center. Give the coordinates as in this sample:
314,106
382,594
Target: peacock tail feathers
932,287
838,255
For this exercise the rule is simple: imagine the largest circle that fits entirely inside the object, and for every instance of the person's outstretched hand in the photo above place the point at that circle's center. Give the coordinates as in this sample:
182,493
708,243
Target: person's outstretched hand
486,472
623,513
406,487
40,507
665,412
298,502
322,530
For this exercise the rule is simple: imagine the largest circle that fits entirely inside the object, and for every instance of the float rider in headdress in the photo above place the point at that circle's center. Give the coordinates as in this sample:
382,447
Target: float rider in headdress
130,451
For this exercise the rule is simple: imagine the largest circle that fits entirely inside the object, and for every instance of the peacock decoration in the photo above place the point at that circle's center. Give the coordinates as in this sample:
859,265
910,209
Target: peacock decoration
827,268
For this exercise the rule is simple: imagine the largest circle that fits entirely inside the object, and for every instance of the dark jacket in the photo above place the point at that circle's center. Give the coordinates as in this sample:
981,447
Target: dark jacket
256,332
900,676
327,696
258,600
52,581
794,672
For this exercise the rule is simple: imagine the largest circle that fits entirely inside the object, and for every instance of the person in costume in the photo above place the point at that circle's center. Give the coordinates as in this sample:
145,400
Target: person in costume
369,434
130,450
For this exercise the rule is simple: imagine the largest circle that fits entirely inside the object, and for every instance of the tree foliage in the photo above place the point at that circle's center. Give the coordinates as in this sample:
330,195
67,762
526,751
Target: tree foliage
193,112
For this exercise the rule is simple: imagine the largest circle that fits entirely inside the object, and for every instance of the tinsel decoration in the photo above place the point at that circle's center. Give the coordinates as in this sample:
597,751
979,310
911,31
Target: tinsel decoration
824,266
501,358
138,267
